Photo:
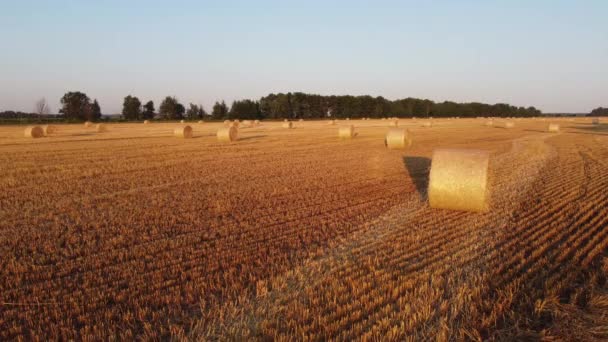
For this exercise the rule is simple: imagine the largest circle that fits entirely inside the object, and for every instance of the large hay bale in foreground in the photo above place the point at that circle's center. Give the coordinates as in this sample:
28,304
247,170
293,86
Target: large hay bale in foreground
553,127
397,138
48,129
459,179
33,132
100,128
183,132
287,124
227,134
346,132
88,124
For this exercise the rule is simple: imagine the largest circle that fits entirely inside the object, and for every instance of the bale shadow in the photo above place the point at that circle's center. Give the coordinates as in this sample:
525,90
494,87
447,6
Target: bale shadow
252,137
419,168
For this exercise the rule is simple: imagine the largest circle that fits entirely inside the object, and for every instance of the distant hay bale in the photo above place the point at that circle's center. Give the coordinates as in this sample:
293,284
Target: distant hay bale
347,119
48,130
553,127
182,121
506,124
285,120
33,132
146,122
256,122
331,122
100,128
200,121
595,121
287,124
459,180
227,134
427,124
397,138
301,120
394,123
183,132
88,124
489,123
346,132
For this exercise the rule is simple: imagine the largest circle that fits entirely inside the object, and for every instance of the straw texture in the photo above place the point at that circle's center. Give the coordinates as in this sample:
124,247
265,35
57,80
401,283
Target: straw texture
33,132
346,132
183,132
227,134
394,123
553,127
87,124
146,122
287,124
458,180
48,129
397,139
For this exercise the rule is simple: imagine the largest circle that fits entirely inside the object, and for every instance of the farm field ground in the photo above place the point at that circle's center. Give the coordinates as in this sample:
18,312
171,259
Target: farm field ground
295,234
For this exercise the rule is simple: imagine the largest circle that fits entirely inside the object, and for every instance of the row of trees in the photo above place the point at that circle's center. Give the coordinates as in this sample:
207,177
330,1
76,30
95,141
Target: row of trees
78,106
600,111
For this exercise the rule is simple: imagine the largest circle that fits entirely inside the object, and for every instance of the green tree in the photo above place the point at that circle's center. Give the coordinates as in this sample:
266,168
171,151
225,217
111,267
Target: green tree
148,112
75,106
94,113
244,110
219,111
171,109
195,112
131,108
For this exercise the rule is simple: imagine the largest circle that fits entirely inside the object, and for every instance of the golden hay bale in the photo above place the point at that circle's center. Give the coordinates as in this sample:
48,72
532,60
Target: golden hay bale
553,127
346,132
331,122
33,132
183,132
397,138
182,121
246,123
146,122
200,121
595,121
490,123
394,123
287,124
88,124
256,122
48,129
301,120
459,179
285,120
236,123
100,128
227,134
427,124
506,124
347,119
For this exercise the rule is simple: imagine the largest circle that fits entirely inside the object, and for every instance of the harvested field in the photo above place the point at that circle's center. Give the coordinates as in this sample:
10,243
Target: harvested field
294,234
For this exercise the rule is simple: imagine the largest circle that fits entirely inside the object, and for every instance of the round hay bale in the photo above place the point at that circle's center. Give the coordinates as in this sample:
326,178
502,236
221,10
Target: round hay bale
182,121
346,132
331,122
146,122
236,123
48,129
100,128
33,132
347,119
553,127
595,121
201,121
509,124
490,123
256,122
459,179
397,138
285,120
88,124
287,124
183,132
427,124
394,123
227,134
301,120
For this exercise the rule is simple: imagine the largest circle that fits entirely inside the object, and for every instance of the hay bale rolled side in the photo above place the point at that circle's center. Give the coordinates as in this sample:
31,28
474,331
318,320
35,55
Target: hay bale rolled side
33,132
183,132
398,139
227,134
331,122
459,180
346,132
146,122
182,121
100,128
88,124
427,124
595,121
48,129
287,124
553,127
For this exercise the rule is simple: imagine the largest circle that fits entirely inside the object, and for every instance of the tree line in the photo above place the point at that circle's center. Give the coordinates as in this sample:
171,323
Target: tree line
76,105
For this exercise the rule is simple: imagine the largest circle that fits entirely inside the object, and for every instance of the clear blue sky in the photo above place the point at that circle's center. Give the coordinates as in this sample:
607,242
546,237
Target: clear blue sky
550,54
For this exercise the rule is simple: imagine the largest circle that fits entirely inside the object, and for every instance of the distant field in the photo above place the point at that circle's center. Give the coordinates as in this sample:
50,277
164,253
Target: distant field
295,234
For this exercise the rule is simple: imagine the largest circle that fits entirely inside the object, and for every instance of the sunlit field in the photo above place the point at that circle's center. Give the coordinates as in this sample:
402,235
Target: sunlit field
296,234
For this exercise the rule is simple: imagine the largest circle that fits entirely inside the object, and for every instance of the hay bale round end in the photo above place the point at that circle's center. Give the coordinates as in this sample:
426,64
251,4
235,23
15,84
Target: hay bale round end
227,134
183,132
397,139
346,132
33,132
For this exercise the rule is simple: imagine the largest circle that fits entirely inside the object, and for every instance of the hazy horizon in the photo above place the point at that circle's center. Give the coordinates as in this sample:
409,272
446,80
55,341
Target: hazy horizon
547,54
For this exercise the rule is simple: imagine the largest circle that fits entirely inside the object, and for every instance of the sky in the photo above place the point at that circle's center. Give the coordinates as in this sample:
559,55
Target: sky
549,54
